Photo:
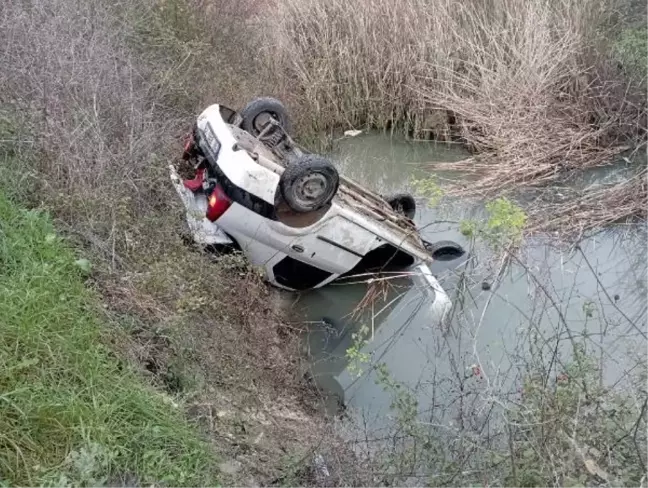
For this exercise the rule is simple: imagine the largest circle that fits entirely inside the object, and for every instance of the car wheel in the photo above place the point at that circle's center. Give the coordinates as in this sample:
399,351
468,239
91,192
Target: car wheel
260,111
444,250
403,203
309,183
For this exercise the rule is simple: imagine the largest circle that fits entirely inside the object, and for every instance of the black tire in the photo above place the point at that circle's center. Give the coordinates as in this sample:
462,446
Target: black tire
444,250
403,203
309,183
254,113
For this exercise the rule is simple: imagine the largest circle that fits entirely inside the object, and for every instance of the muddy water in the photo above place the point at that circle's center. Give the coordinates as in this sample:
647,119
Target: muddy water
597,296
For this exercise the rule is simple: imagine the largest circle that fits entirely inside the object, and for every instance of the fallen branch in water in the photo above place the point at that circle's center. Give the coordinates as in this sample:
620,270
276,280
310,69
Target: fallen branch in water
593,209
506,170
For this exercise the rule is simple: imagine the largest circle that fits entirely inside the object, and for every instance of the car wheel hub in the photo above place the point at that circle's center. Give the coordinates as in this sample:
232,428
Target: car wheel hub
262,120
311,188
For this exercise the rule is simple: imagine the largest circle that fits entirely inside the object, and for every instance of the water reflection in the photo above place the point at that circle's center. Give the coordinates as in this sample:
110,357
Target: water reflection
387,165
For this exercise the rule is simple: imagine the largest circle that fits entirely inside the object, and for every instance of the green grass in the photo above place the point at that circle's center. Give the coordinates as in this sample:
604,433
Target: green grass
71,413
631,49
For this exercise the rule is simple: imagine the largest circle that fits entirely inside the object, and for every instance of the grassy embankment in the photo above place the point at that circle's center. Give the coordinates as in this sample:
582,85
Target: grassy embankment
71,412
94,99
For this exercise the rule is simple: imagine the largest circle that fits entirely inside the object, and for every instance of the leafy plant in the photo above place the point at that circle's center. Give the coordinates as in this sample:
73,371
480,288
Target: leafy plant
357,359
589,308
404,402
429,188
505,220
598,432
504,225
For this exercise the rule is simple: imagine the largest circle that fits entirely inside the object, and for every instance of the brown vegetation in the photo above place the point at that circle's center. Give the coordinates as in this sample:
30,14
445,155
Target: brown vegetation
95,96
593,208
537,89
94,99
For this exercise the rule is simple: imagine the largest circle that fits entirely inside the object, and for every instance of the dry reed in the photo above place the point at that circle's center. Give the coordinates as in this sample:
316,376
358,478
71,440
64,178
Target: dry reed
94,99
534,88
594,209
373,63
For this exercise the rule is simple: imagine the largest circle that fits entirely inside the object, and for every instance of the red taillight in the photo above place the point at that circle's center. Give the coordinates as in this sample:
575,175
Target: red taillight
217,203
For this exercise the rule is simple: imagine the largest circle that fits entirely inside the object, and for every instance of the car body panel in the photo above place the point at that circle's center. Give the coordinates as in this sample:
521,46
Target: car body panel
332,246
250,231
237,165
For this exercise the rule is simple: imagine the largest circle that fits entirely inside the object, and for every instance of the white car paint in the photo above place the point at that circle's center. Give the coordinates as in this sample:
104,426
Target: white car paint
265,241
238,165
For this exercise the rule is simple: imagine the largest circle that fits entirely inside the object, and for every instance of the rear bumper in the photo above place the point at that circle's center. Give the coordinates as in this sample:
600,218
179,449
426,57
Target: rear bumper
203,231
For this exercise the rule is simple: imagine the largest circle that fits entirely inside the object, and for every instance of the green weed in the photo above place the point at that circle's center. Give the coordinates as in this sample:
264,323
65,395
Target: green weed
631,49
503,227
430,189
70,412
358,359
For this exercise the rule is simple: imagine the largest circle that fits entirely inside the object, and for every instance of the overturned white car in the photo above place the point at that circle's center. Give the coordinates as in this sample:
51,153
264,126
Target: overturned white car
288,210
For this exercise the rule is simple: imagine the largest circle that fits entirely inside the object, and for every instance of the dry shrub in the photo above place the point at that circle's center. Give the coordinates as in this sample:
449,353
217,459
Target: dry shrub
103,92
107,90
539,101
537,89
594,208
355,63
